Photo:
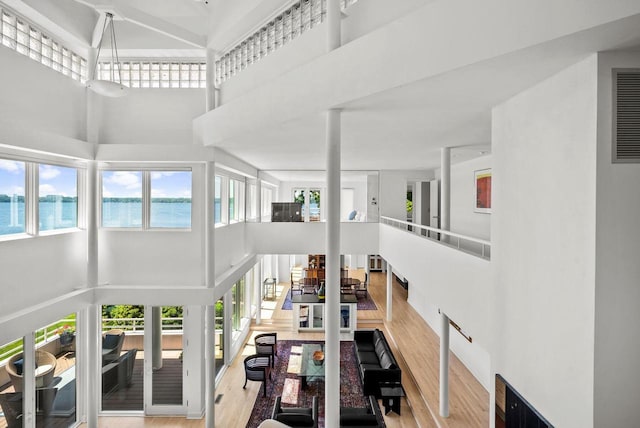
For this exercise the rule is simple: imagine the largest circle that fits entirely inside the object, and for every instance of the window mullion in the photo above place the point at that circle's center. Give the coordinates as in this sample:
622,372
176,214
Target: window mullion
224,211
31,199
146,199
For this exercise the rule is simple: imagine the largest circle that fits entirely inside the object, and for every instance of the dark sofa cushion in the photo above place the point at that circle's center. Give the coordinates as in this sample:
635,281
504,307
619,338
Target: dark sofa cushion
368,358
295,419
358,419
386,362
365,346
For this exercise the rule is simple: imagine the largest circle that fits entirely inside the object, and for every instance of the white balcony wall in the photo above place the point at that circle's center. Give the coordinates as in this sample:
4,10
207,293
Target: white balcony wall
230,247
156,257
38,99
444,278
150,116
35,270
309,238
617,352
543,229
343,74
360,19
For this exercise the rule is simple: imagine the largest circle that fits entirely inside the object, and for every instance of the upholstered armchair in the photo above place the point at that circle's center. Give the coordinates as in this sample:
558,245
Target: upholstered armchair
257,368
45,367
112,341
267,344
296,417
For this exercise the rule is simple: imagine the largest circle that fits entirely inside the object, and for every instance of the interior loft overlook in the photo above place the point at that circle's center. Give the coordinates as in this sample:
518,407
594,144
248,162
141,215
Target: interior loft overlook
457,174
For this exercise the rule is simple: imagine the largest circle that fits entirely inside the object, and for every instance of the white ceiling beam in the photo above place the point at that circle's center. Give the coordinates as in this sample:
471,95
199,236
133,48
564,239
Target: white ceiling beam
122,11
97,30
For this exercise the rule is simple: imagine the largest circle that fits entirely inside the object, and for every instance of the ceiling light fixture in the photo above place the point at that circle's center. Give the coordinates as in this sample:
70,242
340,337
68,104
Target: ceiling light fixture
112,87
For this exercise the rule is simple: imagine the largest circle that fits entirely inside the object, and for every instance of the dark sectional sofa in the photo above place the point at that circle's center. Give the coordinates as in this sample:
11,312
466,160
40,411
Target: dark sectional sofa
376,362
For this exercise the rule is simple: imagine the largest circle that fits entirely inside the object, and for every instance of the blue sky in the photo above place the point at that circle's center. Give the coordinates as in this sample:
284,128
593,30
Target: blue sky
58,180
11,177
164,184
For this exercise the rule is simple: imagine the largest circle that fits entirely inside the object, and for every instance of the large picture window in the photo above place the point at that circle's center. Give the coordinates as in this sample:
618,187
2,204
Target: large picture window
58,197
171,199
12,197
217,202
122,199
236,200
146,199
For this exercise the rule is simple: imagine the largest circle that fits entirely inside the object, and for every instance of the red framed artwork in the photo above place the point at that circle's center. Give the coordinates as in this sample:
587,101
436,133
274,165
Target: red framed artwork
482,191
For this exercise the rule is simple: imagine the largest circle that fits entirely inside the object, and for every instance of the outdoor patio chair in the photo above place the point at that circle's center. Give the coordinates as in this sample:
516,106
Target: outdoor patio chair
112,341
11,404
256,367
296,417
45,366
267,344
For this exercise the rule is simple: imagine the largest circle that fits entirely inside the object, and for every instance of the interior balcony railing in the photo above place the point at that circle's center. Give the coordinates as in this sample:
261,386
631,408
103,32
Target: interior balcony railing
298,18
468,244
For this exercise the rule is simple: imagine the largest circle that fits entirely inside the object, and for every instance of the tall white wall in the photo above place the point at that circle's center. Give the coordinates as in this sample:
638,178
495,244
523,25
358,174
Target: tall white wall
617,344
543,243
151,116
36,97
157,257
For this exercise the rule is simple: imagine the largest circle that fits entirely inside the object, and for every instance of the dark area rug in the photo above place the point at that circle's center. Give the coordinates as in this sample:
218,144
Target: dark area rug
364,303
351,394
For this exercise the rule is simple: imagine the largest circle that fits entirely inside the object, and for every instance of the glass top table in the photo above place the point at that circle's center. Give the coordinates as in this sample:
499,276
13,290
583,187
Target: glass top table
301,362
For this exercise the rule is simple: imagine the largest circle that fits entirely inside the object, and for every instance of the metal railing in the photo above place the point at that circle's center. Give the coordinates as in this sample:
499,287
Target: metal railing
42,336
137,324
302,16
468,244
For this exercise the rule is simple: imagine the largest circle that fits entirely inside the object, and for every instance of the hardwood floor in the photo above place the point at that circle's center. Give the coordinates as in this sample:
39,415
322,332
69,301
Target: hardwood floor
413,342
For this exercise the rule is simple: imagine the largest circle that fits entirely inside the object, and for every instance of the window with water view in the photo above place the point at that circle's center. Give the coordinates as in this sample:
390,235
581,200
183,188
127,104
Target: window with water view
12,185
58,197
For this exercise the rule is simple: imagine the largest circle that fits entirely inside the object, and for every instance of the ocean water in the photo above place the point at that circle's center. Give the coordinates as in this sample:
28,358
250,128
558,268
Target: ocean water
114,214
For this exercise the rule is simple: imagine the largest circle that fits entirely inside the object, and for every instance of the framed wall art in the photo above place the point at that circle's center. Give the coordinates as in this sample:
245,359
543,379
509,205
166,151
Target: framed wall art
482,191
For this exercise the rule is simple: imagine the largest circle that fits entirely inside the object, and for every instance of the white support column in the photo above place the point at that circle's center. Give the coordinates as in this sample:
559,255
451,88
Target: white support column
332,260
91,195
91,338
259,201
156,337
445,189
29,381
444,365
210,312
257,285
210,366
334,25
389,292
212,94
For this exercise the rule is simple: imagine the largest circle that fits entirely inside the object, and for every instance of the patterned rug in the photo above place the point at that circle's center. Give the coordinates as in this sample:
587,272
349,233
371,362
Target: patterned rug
364,303
351,394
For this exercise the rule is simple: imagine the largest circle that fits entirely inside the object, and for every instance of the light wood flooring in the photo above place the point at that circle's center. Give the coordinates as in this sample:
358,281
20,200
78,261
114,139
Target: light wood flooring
413,342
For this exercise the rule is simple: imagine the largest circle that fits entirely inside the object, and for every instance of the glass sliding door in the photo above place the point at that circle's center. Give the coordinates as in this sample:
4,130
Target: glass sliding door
219,335
166,357
122,357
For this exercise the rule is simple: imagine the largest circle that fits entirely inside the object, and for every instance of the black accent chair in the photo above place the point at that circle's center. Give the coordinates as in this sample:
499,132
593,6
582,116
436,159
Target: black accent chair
267,344
257,368
119,374
361,417
112,342
296,417
11,403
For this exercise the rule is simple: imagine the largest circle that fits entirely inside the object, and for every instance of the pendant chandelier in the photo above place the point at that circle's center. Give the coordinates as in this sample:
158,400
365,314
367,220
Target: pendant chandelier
112,87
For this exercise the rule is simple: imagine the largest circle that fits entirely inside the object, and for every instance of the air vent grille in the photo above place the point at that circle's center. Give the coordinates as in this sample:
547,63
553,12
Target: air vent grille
626,126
